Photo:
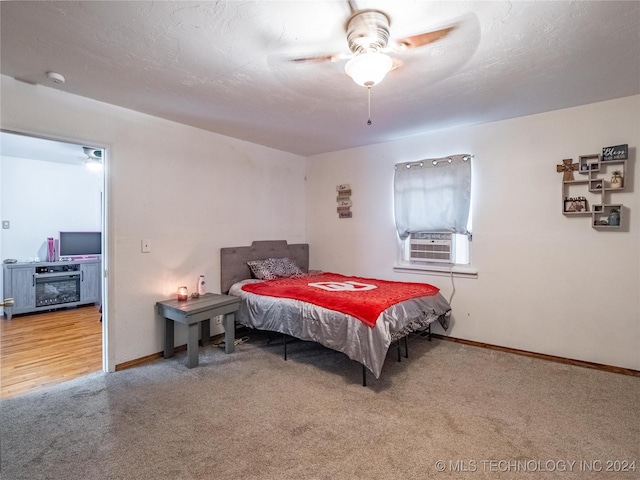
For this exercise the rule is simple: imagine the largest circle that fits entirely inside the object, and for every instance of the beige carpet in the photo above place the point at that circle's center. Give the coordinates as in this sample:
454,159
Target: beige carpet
251,415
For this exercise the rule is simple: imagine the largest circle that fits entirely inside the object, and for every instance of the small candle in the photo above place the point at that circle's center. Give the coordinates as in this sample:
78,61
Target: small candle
183,294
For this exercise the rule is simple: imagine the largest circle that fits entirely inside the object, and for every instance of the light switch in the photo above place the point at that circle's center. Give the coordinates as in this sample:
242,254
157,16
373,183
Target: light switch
146,246
6,224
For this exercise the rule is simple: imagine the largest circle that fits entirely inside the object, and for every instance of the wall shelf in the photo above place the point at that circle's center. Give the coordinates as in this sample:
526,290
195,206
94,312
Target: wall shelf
595,175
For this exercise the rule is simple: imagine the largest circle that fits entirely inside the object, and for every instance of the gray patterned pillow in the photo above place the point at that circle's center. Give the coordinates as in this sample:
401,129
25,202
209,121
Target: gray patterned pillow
262,269
285,267
273,268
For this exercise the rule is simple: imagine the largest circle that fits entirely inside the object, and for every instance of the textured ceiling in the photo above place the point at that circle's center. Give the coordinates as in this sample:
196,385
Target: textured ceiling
221,66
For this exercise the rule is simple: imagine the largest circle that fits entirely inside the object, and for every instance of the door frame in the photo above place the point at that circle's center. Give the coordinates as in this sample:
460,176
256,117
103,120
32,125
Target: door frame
108,357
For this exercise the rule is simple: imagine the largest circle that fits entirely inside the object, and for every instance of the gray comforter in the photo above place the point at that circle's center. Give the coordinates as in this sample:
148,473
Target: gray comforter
336,330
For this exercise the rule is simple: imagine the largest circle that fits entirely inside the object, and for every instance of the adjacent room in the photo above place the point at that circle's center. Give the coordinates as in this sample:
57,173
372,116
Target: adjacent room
50,243
481,153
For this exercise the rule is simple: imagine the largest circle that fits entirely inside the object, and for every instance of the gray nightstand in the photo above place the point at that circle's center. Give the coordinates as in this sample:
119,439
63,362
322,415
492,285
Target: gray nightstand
193,311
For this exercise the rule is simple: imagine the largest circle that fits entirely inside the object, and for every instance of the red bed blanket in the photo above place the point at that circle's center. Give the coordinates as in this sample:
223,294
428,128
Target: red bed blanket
362,298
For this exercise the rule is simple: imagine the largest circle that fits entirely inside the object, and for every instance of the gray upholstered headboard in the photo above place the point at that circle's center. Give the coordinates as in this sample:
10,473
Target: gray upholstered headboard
233,260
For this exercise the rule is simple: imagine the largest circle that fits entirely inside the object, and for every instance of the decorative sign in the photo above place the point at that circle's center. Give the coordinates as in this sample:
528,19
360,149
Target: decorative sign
575,204
617,152
344,200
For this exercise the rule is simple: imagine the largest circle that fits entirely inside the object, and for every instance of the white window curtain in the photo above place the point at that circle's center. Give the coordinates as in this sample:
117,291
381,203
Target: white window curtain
433,195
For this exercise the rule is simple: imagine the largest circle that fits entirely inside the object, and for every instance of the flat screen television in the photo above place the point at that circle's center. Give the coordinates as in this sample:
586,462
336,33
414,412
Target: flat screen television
77,245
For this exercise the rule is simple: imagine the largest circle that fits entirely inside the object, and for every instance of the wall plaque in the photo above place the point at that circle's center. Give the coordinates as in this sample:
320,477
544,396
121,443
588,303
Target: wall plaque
617,152
344,200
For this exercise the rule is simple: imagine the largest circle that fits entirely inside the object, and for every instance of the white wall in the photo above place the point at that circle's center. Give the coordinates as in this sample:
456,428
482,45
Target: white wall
547,283
41,198
190,192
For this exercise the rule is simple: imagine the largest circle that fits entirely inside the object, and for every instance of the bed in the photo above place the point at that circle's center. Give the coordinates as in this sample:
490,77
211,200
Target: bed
366,343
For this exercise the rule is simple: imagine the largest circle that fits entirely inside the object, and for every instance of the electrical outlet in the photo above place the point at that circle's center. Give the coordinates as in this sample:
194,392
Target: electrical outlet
146,246
218,320
6,224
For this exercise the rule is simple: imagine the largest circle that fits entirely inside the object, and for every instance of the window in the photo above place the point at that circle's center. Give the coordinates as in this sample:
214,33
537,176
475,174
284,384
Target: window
432,201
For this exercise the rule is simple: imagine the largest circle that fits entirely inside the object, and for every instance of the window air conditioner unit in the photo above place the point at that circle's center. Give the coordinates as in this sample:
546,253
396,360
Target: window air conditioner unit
431,247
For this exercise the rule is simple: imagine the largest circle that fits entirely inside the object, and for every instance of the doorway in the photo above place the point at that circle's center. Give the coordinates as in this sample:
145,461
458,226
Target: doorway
52,185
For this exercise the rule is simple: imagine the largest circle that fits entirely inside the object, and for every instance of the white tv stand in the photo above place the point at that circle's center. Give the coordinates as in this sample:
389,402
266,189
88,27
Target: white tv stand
48,285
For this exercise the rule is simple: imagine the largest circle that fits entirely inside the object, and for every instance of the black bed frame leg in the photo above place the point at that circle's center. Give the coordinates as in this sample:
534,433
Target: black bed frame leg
406,347
284,336
399,359
364,376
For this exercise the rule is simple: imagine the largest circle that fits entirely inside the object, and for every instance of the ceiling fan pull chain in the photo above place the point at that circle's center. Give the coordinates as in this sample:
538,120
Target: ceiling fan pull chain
369,93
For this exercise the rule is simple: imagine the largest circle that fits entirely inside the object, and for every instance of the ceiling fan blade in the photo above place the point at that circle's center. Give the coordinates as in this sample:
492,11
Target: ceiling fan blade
421,39
397,63
321,58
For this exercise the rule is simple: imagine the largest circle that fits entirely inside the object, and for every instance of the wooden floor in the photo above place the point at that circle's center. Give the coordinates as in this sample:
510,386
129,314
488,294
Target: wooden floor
45,348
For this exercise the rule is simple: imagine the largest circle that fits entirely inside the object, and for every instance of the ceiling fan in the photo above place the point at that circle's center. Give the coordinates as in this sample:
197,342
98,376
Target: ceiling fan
369,40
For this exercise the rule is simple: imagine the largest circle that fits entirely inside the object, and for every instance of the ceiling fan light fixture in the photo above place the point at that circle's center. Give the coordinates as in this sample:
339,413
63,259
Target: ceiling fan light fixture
93,153
368,69
94,158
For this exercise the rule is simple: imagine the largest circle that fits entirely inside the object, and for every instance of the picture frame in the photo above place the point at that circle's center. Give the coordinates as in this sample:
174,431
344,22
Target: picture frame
575,205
